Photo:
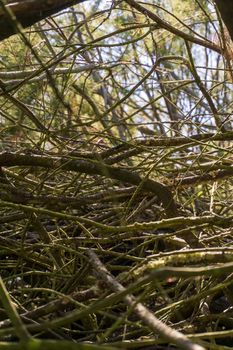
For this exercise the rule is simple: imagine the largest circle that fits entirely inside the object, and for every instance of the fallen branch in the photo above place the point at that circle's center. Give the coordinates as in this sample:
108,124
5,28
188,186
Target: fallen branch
140,310
92,167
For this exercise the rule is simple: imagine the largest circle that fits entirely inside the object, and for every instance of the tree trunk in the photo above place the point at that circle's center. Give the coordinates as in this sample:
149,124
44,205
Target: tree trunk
225,8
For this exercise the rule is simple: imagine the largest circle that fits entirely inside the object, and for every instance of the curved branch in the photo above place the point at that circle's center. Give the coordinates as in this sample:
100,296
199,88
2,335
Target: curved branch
93,167
28,12
165,25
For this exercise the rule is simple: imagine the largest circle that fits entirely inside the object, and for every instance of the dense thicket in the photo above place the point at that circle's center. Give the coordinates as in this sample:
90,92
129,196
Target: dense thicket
116,175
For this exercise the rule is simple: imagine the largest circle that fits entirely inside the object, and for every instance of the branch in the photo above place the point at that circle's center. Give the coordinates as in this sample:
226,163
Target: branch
127,150
215,176
165,25
92,167
28,12
144,314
